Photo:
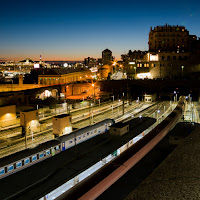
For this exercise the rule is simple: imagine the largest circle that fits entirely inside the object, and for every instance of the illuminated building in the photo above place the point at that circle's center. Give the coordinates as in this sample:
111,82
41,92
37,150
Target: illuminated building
52,79
8,114
29,120
172,53
62,125
104,71
90,62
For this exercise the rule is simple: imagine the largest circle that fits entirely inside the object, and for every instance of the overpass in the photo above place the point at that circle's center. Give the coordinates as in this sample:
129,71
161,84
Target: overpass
131,88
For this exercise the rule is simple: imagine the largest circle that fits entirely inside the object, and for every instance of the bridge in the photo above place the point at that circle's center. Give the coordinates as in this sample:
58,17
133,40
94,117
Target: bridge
131,88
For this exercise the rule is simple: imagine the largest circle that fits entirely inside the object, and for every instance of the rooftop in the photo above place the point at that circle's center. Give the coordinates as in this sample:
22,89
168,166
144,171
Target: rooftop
61,116
119,125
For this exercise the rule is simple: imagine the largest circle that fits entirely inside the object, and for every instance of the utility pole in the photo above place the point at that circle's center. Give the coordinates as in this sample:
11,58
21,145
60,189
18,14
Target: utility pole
123,103
89,112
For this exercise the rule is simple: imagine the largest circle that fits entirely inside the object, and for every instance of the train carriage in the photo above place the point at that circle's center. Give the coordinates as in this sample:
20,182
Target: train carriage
25,158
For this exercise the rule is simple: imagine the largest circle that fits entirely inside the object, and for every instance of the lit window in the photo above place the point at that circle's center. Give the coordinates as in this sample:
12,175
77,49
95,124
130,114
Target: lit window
10,168
2,171
26,161
18,164
34,158
41,155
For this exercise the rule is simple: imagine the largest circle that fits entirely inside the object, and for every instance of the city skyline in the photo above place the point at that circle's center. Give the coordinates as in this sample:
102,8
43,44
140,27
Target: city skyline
65,30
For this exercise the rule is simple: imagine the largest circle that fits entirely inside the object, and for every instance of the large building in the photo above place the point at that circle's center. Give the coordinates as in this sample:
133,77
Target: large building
90,62
173,53
62,76
170,39
107,57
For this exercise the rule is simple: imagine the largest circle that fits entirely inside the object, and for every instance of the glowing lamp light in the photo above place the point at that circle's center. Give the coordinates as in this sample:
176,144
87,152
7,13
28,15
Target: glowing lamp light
65,65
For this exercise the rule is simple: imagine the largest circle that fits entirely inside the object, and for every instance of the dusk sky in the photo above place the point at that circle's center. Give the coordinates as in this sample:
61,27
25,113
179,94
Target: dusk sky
73,30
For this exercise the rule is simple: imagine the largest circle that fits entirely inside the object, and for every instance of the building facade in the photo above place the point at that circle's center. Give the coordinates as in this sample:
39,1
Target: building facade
54,79
173,53
169,39
107,57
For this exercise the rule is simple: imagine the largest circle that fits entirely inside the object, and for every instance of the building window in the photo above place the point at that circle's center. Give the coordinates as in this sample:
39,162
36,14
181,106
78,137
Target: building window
168,57
174,57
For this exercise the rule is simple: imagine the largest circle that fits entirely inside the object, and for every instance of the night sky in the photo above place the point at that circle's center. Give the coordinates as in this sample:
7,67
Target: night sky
73,30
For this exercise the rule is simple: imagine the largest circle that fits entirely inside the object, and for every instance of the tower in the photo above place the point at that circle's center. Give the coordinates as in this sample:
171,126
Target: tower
40,59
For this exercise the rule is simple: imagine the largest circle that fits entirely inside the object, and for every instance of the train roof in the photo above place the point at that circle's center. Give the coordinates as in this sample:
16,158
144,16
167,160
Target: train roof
27,152
84,130
30,151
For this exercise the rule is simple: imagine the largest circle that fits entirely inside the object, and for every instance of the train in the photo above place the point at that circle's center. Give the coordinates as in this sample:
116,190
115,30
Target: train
27,157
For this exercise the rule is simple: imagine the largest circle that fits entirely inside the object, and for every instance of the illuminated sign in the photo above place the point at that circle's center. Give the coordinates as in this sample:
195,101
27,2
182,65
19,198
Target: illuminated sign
131,63
153,57
36,66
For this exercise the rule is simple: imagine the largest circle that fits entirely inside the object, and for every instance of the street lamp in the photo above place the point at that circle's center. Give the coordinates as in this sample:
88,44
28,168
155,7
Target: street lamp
135,71
92,113
114,64
93,91
158,111
113,98
118,105
182,67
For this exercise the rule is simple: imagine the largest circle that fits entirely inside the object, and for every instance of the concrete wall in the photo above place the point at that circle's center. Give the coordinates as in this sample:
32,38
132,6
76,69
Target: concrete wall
119,130
29,120
7,113
62,125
